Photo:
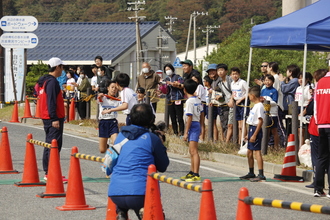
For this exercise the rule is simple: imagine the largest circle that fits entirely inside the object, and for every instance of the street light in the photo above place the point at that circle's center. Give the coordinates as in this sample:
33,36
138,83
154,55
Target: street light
194,15
207,31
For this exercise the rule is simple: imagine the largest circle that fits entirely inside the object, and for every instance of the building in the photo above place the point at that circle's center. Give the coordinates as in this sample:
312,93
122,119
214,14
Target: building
289,6
77,43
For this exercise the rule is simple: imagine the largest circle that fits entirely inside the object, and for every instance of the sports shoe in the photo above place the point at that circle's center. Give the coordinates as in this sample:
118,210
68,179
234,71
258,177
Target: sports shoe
193,179
258,178
121,216
63,178
189,175
141,213
248,176
319,193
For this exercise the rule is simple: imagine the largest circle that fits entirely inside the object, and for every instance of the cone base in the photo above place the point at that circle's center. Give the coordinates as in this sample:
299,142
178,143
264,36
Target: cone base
75,207
288,178
15,121
21,184
49,195
9,172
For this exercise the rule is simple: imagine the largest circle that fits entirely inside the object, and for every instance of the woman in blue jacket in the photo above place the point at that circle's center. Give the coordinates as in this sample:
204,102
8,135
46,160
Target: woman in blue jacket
128,181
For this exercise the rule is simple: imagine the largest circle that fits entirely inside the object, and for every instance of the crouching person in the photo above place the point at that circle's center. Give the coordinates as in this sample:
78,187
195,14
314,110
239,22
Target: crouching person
128,181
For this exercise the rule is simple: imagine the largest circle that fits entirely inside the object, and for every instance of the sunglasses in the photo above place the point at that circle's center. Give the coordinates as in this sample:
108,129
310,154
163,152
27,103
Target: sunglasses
263,66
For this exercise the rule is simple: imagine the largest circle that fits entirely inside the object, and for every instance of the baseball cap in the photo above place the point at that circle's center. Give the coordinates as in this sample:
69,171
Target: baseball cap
189,62
212,66
55,61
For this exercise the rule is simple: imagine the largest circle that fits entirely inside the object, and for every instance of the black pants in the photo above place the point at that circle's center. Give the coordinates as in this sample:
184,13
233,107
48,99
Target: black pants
51,133
176,114
82,109
323,159
124,203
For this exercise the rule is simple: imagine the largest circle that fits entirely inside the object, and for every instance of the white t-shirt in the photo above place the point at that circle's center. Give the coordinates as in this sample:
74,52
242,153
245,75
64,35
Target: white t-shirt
194,107
299,96
94,81
107,104
239,89
69,82
273,106
201,93
129,96
258,111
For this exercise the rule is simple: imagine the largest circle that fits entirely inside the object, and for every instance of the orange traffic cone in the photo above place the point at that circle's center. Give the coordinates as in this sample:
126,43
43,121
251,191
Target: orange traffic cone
152,204
75,198
54,185
37,114
30,173
72,110
14,117
6,163
289,165
27,110
207,207
111,210
243,210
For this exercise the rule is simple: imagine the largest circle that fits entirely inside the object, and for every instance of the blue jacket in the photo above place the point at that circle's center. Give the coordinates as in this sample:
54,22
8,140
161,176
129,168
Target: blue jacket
289,90
271,92
174,93
130,173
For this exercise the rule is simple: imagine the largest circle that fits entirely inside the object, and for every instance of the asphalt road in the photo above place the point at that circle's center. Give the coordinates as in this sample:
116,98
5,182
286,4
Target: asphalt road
178,203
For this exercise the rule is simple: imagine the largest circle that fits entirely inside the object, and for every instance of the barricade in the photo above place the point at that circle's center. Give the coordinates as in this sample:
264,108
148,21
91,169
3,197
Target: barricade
298,206
207,207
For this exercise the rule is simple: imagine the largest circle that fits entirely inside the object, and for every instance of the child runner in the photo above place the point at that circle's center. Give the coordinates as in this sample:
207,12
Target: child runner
127,96
269,93
193,129
201,93
255,120
108,124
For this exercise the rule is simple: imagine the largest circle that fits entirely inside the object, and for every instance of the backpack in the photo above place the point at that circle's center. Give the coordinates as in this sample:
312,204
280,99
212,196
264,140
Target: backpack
111,157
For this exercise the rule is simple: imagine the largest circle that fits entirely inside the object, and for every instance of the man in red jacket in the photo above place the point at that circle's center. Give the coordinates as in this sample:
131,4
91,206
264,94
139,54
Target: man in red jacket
52,108
322,119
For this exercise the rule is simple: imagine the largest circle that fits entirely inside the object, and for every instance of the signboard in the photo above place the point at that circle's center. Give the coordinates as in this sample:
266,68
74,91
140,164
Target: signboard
19,40
19,23
18,69
177,63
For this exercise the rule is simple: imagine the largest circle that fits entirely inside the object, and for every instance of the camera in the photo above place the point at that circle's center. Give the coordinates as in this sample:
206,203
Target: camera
159,130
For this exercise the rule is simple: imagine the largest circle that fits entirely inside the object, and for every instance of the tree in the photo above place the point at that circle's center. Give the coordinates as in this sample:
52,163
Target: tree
36,70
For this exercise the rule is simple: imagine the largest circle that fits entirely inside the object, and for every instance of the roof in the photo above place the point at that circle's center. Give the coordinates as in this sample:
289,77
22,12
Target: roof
82,41
309,25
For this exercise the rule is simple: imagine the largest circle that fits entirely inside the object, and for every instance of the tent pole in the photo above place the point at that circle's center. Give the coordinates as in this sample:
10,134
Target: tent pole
246,96
301,141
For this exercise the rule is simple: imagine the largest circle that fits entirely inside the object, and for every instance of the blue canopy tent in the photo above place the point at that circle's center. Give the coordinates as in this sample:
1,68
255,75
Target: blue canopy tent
305,29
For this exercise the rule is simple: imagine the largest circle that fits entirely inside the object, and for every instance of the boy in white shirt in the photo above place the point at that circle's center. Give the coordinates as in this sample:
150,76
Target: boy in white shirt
193,129
239,89
255,121
127,96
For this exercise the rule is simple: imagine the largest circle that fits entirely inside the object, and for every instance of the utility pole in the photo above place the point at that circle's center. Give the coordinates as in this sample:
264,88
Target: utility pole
160,46
2,64
209,30
137,19
187,45
195,14
170,23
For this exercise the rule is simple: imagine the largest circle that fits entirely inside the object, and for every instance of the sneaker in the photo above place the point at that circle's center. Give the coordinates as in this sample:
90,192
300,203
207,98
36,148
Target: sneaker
258,178
121,216
189,175
248,176
45,177
310,186
319,193
64,179
141,213
193,179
